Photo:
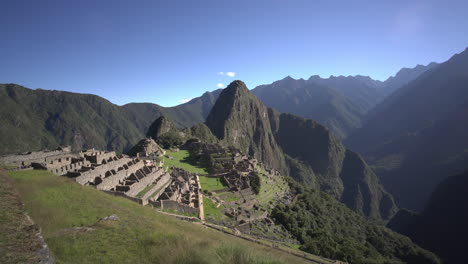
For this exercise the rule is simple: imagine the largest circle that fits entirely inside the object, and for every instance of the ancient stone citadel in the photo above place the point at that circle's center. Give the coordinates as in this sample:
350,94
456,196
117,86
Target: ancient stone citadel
141,180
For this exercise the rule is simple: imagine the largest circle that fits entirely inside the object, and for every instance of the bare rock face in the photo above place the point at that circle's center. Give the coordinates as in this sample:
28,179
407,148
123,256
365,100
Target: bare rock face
110,218
298,147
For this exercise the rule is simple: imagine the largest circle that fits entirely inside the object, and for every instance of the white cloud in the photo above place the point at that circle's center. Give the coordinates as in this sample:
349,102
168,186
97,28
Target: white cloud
183,101
220,85
231,74
220,73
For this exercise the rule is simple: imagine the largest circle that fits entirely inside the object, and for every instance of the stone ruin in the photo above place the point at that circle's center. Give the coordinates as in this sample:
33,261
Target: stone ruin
246,211
26,159
121,175
182,194
146,148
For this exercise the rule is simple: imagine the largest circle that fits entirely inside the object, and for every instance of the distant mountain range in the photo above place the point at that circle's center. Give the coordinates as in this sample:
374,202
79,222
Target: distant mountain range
418,135
340,103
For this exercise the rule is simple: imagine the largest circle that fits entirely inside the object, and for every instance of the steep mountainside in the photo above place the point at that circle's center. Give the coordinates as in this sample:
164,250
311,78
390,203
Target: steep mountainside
37,119
310,151
441,227
417,136
326,227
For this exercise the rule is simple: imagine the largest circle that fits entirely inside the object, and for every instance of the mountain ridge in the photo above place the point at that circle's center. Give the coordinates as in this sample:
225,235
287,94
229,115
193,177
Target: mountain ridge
82,120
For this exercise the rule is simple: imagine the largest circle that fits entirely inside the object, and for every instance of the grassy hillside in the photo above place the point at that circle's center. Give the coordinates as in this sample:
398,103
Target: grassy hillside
141,235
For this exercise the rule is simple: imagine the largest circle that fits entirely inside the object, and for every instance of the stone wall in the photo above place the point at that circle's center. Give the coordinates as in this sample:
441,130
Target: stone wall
63,170
160,185
27,158
98,157
143,183
169,204
113,180
86,177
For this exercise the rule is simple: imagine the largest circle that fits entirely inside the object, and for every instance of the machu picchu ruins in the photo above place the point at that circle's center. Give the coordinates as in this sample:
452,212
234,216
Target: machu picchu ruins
145,179
140,180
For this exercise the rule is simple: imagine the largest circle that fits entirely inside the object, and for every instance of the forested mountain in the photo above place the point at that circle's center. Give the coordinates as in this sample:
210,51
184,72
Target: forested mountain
299,147
441,227
417,136
37,119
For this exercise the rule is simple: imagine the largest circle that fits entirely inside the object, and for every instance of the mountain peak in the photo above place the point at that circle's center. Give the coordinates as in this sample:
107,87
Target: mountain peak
236,86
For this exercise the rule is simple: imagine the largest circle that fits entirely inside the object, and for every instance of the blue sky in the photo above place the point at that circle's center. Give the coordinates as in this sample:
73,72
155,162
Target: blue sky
167,51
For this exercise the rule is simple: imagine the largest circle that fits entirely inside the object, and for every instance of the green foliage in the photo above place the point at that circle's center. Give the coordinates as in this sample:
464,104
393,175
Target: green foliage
57,204
255,183
170,140
326,227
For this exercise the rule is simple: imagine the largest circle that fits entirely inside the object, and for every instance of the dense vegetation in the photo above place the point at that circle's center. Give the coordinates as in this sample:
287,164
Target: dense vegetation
141,235
255,183
326,227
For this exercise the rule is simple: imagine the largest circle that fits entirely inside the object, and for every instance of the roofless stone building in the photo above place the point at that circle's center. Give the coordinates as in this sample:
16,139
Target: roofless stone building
140,180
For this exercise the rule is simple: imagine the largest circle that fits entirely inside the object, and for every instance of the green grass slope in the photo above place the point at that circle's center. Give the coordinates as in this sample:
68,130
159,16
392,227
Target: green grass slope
18,241
140,236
